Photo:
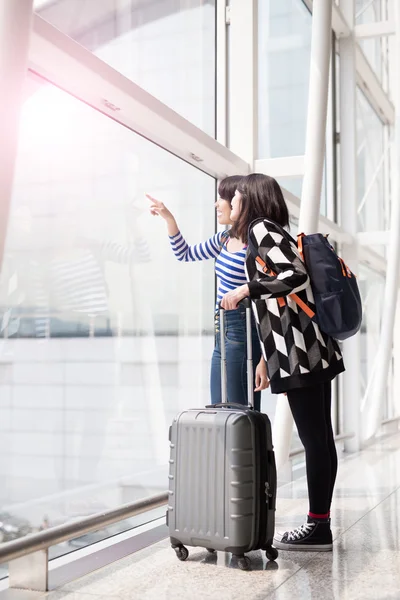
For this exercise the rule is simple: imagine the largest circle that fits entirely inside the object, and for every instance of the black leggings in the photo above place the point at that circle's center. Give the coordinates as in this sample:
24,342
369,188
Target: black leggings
311,409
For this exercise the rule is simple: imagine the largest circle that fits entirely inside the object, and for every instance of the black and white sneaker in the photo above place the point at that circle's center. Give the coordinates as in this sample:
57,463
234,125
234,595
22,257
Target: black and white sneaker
314,536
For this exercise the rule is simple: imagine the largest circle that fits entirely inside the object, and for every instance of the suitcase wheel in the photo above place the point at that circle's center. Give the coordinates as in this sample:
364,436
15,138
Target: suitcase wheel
210,550
243,563
272,553
182,552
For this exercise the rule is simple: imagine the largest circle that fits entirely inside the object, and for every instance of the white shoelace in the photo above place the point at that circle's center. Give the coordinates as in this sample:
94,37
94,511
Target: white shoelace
300,532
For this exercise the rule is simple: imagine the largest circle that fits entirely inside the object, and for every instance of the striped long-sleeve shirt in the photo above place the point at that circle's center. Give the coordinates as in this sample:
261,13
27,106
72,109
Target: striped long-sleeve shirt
229,266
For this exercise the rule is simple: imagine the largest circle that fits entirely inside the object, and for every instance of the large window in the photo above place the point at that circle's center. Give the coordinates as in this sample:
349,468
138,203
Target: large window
105,335
166,47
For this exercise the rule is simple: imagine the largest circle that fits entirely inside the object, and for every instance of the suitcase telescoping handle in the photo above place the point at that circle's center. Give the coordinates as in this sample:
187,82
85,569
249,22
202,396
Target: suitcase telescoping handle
228,405
250,385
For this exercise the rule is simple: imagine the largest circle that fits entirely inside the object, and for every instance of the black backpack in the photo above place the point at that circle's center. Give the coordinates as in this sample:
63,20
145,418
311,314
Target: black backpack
336,294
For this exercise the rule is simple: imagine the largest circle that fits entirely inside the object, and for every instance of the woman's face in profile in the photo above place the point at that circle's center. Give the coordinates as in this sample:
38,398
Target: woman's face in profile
223,208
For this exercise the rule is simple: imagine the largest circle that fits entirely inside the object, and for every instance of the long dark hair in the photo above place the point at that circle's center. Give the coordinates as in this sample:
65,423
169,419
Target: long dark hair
228,187
261,197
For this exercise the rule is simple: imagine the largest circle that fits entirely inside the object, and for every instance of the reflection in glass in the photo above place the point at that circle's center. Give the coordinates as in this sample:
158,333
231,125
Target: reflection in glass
104,335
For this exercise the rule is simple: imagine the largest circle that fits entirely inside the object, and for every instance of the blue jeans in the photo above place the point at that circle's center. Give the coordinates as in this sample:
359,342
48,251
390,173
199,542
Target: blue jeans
236,359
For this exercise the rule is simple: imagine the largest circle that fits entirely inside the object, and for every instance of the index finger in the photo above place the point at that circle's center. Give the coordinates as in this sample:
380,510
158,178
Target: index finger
152,199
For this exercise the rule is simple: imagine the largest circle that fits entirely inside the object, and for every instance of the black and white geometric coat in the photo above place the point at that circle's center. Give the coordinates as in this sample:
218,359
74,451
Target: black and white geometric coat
297,352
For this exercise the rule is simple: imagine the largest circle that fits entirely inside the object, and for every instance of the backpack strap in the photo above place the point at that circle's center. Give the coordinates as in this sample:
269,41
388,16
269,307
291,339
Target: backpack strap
224,238
346,272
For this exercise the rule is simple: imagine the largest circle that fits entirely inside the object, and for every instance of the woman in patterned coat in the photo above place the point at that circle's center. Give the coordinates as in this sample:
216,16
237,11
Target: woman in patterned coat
301,359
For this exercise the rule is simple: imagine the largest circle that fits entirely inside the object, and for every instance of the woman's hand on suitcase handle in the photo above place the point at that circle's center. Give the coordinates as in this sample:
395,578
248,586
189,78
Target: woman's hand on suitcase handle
231,300
262,381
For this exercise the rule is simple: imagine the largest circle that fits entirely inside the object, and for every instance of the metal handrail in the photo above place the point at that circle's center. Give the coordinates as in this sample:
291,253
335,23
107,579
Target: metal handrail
61,533
338,438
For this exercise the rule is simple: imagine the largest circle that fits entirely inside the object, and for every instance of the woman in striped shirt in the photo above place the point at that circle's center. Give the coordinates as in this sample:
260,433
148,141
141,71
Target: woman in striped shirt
229,253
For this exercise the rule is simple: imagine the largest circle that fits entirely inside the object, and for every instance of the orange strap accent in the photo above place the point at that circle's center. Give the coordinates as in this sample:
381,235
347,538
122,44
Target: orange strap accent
281,301
300,244
344,267
349,273
310,313
264,267
262,263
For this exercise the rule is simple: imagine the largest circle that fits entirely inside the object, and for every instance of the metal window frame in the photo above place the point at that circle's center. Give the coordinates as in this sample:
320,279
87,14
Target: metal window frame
366,77
372,30
15,39
243,83
63,62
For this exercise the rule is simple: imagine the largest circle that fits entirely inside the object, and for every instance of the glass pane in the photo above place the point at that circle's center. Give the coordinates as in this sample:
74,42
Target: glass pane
373,203
284,66
292,184
295,186
369,11
104,334
372,288
166,47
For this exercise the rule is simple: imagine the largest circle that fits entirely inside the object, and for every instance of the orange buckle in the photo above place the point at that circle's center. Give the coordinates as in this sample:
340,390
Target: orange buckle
281,302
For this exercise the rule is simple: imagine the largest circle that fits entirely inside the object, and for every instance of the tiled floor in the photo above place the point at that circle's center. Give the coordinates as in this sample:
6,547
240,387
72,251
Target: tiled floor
365,563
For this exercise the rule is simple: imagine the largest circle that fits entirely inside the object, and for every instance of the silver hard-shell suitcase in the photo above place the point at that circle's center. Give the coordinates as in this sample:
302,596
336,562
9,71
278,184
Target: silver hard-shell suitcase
222,477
